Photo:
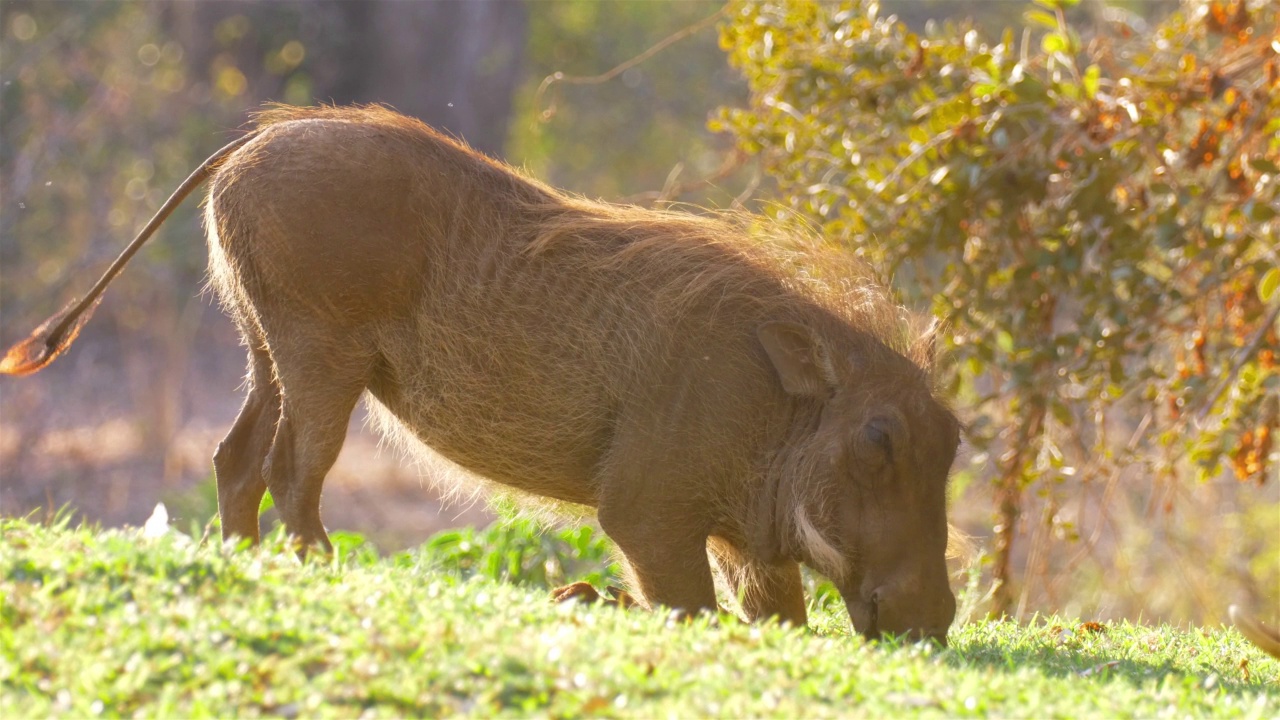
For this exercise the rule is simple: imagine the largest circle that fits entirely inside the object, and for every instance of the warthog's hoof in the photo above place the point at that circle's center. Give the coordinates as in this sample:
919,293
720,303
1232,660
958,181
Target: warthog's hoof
580,591
621,598
584,592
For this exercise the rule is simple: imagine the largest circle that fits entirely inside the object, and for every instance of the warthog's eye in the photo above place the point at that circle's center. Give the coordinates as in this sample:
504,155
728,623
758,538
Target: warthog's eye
879,436
877,440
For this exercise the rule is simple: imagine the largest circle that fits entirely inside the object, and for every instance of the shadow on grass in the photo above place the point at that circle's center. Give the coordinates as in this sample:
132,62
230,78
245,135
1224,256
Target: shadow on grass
1093,664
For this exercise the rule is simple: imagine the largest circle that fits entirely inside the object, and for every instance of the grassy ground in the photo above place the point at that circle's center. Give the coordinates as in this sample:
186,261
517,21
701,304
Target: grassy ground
112,623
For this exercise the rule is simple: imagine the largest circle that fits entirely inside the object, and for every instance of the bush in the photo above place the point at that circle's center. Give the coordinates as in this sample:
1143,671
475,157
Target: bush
1093,214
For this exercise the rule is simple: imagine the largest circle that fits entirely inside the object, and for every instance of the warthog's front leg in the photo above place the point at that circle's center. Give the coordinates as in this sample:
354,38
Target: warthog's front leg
764,591
667,558
587,593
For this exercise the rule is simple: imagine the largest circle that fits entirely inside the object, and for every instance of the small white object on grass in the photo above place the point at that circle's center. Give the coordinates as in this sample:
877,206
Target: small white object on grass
158,524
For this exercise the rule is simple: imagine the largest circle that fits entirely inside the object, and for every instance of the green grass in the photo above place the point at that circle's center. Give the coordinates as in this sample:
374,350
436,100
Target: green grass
106,622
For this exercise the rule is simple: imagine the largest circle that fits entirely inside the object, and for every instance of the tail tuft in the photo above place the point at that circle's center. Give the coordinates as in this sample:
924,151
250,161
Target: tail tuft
47,341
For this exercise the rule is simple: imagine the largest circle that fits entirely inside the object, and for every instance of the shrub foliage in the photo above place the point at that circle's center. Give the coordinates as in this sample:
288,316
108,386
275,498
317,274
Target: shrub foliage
1093,210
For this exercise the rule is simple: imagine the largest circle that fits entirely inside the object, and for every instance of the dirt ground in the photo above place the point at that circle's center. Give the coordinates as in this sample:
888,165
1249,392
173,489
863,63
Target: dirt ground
114,427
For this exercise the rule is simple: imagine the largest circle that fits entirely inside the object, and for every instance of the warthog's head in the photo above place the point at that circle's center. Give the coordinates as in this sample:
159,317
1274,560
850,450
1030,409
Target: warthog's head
865,497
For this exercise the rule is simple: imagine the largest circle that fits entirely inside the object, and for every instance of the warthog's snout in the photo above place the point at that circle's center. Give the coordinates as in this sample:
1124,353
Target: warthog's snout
914,615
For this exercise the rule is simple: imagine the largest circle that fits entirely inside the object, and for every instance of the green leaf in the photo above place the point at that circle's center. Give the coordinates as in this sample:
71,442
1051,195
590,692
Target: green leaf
1053,43
1004,341
1040,17
1061,412
1269,283
1260,212
1090,81
266,503
1262,164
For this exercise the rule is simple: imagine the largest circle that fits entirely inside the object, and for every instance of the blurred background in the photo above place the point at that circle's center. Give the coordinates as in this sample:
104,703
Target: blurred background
106,106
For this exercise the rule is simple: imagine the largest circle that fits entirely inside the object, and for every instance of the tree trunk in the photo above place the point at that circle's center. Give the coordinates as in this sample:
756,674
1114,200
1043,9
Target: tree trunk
454,65
1009,506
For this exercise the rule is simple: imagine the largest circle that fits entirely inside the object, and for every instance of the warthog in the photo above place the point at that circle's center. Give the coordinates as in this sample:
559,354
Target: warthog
701,389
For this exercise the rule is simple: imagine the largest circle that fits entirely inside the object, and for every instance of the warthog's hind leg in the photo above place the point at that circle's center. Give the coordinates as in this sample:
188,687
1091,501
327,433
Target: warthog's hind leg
321,383
238,461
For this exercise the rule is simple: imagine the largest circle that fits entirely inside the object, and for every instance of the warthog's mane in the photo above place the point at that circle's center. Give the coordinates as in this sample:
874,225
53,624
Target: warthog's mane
713,257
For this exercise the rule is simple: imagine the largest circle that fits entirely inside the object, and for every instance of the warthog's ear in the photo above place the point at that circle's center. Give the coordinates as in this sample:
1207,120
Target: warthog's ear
800,357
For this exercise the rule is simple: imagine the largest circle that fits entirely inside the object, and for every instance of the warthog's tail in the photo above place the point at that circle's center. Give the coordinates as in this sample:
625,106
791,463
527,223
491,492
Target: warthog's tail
1261,635
58,332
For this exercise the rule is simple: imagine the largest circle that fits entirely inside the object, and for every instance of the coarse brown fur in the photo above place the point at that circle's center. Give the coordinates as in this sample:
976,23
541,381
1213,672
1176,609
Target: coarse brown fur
699,386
